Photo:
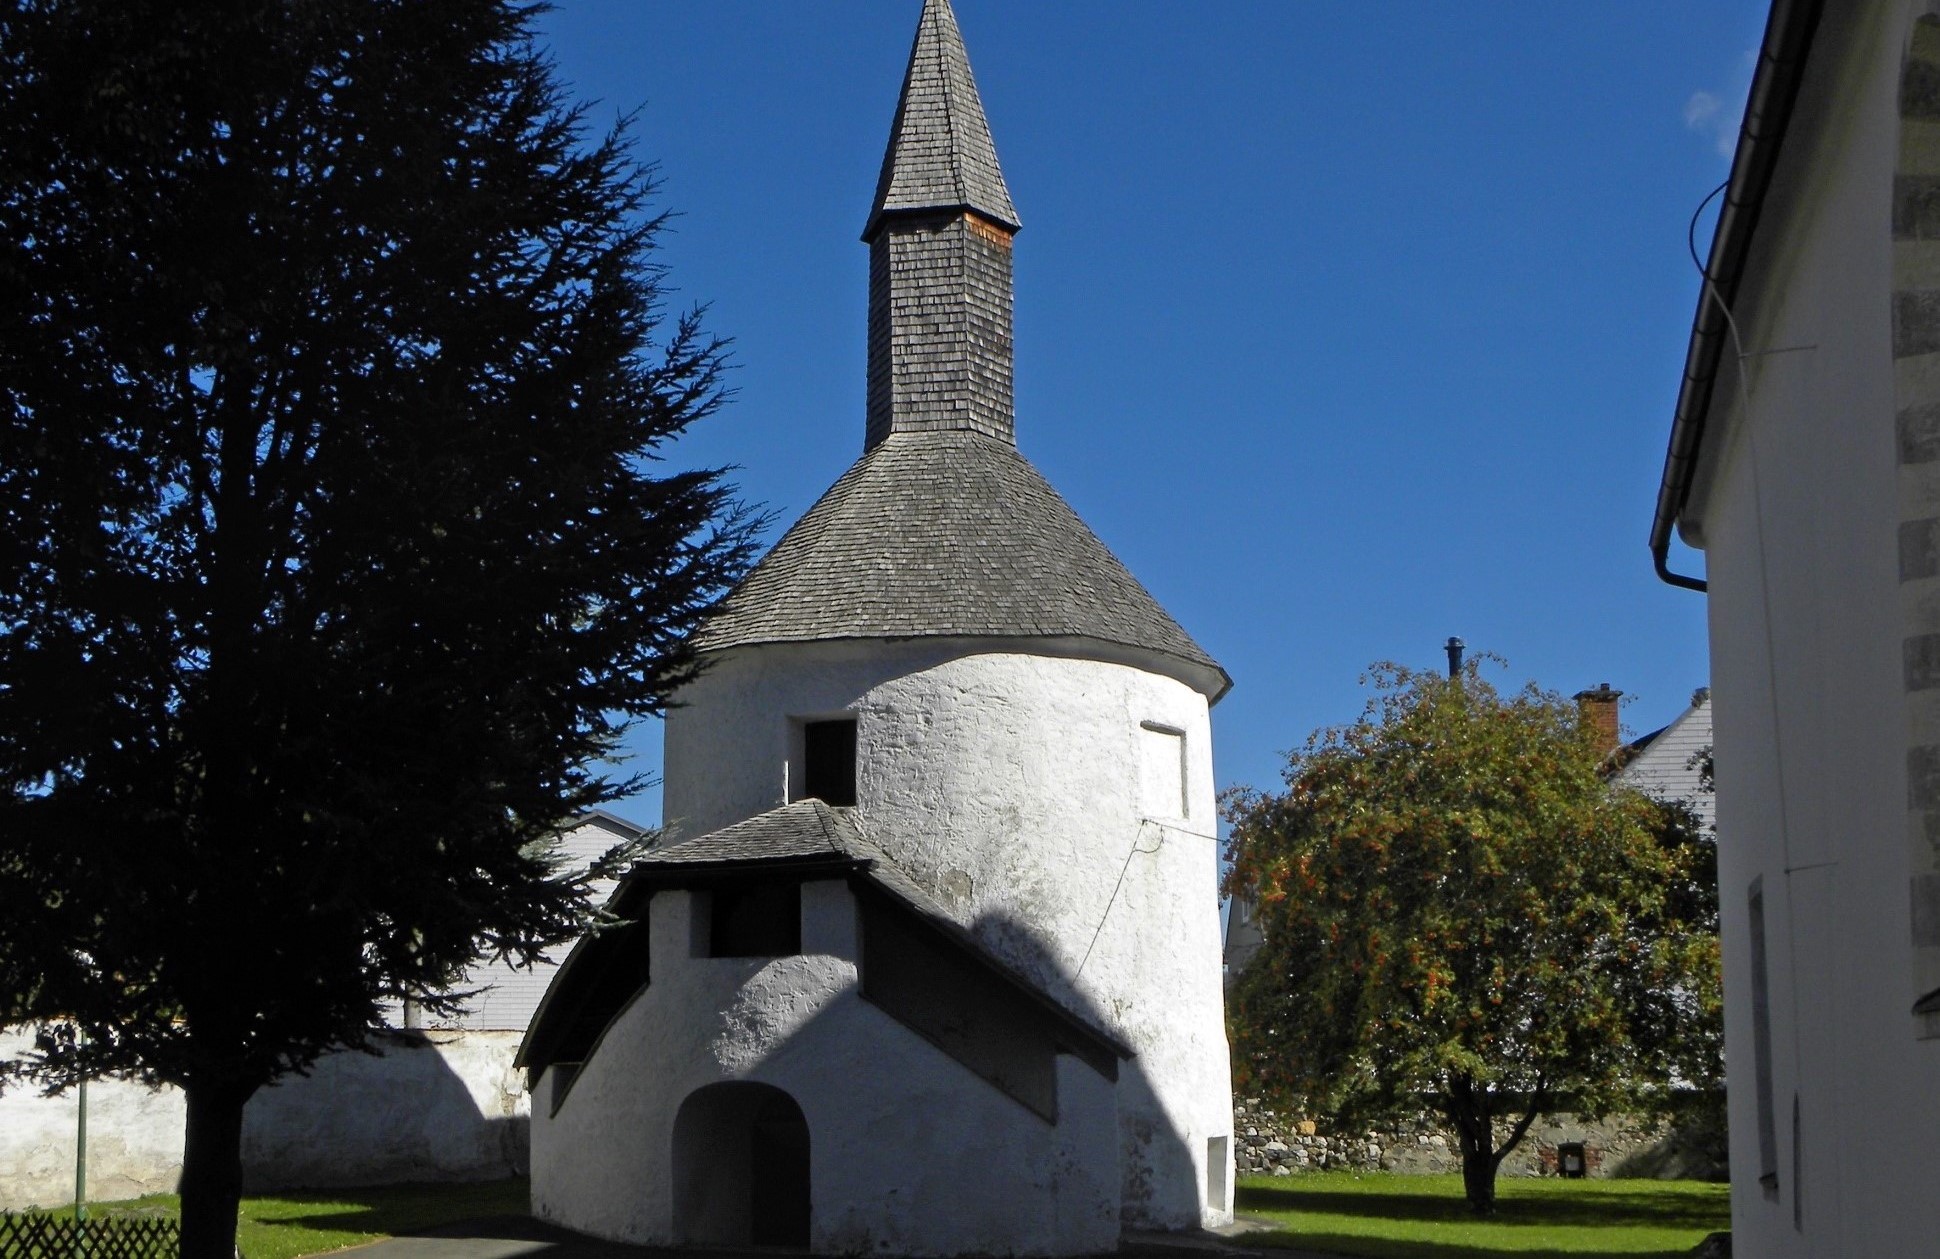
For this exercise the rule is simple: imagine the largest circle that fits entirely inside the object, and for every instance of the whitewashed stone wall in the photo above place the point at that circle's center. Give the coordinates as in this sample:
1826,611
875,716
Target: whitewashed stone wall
1273,1144
444,1106
910,1153
1016,789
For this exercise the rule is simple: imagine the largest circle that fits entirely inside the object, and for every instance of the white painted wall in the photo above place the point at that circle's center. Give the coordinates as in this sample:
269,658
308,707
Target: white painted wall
910,1153
1011,785
1667,768
447,1106
507,996
457,1112
1797,509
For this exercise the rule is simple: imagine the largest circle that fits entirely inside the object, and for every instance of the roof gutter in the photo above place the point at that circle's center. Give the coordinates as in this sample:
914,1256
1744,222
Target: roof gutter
1768,111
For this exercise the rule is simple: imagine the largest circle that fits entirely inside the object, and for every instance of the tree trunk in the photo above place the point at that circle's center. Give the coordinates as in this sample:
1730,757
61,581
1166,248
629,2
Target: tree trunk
1472,1109
1468,1107
1478,1180
212,1169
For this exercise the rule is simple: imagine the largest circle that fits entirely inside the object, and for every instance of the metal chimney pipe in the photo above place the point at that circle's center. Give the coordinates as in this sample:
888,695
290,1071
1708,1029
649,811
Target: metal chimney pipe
1454,649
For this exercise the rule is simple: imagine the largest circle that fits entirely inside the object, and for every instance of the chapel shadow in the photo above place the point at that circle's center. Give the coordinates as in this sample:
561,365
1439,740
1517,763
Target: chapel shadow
1162,1173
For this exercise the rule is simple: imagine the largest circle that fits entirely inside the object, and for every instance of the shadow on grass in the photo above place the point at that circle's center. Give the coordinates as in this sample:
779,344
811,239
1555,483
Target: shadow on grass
1384,1248
1608,1208
390,1209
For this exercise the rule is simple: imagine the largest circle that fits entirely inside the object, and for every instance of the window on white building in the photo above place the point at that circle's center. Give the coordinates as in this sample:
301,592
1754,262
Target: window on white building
828,762
753,920
1761,1045
1162,772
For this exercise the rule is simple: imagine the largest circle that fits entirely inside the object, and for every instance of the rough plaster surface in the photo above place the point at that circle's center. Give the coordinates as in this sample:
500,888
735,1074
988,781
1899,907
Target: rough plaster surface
909,1152
1798,509
1010,786
447,1106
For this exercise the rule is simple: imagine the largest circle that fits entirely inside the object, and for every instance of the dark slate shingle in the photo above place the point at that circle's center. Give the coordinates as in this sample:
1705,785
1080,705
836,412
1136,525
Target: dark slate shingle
807,828
953,534
940,153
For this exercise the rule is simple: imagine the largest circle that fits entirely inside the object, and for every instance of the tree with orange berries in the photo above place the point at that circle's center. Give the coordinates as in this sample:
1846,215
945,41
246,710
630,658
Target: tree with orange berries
1456,903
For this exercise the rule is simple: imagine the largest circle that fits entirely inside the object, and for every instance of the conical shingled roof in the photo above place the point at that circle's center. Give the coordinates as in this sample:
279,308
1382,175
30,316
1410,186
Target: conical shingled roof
940,154
952,534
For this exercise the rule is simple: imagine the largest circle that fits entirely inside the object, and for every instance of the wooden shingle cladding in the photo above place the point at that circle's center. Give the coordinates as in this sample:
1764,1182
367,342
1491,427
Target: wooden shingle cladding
940,329
940,154
942,529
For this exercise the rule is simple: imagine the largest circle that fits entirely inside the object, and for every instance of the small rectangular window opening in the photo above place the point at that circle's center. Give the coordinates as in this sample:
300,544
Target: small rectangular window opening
1798,1171
1162,771
755,920
828,762
1761,1045
1218,1152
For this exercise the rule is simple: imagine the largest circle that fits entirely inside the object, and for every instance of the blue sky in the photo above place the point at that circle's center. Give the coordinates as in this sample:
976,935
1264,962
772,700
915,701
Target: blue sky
1348,327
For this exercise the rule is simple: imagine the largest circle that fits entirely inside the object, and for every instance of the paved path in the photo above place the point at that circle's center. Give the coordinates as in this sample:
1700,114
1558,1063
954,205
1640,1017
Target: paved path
519,1237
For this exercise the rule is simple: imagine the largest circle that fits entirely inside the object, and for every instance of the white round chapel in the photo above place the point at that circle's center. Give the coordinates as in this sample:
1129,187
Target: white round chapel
938,898
942,645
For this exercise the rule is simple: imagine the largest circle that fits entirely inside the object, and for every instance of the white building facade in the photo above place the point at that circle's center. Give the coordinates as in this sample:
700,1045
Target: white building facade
1803,464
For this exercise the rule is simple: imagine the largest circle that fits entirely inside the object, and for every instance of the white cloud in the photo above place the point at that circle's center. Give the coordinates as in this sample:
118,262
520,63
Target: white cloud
1700,109
1708,115
1716,115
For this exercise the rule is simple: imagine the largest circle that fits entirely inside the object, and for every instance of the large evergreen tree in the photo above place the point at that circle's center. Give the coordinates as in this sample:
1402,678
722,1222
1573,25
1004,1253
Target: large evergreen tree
335,543
1456,904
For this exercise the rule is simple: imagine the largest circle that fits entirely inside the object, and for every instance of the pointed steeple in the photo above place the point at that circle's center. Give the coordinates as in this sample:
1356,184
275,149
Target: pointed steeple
943,528
940,156
940,255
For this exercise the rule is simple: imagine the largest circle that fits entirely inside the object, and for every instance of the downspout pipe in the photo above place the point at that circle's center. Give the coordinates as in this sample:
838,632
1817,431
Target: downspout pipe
1768,111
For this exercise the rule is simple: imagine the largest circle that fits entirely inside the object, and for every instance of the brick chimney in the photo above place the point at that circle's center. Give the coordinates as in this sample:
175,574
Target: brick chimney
1599,709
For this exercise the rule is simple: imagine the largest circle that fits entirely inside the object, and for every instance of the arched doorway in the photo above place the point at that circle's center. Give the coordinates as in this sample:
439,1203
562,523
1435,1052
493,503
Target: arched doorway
741,1167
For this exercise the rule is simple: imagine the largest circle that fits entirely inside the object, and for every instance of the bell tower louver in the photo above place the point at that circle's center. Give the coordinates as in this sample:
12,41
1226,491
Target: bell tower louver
939,241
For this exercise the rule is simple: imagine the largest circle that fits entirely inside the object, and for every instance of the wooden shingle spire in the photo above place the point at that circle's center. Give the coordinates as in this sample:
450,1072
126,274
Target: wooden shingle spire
940,155
940,255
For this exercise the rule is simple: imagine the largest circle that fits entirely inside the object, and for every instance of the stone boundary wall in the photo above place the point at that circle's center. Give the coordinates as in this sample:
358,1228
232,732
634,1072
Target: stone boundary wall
436,1106
1269,1144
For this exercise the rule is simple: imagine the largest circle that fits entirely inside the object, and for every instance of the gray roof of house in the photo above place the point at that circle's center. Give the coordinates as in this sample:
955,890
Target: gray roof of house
804,830
807,828
949,534
940,155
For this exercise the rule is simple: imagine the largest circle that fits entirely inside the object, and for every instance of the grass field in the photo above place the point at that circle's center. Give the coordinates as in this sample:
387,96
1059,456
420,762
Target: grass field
1425,1217
308,1222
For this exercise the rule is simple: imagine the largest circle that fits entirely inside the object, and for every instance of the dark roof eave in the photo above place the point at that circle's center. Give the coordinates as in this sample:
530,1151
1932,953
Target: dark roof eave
1768,112
650,873
941,211
1207,676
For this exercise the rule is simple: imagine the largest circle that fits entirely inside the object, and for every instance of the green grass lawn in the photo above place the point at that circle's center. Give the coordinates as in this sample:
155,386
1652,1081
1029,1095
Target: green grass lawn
1425,1217
307,1222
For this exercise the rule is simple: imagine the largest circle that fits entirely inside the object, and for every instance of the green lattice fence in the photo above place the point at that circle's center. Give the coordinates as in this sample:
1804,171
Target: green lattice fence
107,1237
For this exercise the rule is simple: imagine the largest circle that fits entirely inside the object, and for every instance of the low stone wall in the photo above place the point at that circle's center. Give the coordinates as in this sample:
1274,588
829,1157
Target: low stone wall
1271,1144
435,1106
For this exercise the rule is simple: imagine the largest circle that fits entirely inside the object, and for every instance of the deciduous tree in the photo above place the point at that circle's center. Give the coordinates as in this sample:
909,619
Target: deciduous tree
337,543
1455,902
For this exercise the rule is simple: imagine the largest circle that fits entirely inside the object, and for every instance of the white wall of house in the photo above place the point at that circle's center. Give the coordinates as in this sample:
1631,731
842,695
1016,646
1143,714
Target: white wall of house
507,995
1060,807
1669,768
910,1153
446,1105
443,1106
1797,506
